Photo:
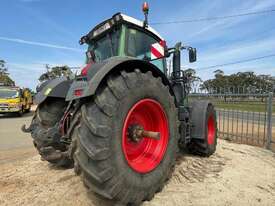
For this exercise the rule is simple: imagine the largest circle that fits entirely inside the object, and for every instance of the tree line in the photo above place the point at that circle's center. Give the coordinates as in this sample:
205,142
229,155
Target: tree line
55,72
5,79
240,82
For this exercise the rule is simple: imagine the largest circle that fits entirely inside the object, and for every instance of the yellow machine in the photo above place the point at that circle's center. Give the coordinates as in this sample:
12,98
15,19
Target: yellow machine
15,100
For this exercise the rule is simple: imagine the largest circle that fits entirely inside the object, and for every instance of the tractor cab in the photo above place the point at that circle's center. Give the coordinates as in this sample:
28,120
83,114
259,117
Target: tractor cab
122,36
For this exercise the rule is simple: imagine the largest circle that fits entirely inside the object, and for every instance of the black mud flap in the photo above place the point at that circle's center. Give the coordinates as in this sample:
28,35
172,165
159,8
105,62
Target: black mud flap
198,119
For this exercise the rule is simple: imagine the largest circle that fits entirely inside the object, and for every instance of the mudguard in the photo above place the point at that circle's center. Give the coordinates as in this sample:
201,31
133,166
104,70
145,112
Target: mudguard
198,118
87,86
53,88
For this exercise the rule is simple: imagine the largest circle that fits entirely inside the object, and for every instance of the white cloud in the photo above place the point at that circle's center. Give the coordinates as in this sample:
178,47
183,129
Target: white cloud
53,26
226,40
206,30
220,27
238,50
55,46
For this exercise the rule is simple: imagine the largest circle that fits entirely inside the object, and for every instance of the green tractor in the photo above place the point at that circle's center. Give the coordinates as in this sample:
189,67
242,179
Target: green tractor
123,120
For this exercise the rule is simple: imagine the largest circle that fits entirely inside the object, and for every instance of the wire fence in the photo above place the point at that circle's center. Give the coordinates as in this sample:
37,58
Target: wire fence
247,118
251,90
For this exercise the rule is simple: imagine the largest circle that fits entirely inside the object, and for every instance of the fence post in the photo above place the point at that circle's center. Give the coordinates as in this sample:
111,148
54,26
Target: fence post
269,121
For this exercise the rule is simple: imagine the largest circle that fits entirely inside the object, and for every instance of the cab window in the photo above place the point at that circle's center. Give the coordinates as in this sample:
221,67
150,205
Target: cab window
106,46
139,46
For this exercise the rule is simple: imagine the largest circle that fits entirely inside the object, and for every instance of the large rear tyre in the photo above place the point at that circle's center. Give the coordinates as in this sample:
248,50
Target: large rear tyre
46,135
206,119
110,161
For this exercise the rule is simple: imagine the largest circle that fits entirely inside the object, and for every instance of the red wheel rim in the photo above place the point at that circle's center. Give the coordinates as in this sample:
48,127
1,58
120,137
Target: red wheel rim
146,154
211,130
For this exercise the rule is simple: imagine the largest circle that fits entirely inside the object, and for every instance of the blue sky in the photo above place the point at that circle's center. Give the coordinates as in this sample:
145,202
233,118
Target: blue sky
38,32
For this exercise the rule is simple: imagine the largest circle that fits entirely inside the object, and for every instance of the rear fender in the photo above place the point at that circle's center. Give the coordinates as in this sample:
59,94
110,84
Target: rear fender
53,88
87,86
198,119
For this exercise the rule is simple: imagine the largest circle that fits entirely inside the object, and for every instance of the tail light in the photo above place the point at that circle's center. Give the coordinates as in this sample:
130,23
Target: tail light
78,92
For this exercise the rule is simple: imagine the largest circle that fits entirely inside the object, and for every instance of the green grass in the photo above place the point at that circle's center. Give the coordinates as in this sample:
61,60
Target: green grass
251,105
247,104
244,106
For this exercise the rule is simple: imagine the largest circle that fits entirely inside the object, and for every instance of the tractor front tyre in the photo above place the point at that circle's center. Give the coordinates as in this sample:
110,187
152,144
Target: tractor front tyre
113,158
203,117
46,135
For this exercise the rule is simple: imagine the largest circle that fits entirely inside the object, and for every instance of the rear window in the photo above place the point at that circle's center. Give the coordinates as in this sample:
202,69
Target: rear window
105,47
139,46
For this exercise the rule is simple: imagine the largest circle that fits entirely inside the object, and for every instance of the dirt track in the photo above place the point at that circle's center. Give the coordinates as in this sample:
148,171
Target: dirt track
14,144
235,175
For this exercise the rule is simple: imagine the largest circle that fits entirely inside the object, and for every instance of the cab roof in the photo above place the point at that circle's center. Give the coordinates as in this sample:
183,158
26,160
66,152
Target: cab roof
115,20
140,24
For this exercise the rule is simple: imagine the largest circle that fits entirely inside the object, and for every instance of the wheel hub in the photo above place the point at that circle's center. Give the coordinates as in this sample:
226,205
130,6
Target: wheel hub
145,135
136,132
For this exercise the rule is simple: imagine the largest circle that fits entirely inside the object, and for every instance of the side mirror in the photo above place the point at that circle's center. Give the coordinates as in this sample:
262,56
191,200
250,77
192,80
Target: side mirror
192,55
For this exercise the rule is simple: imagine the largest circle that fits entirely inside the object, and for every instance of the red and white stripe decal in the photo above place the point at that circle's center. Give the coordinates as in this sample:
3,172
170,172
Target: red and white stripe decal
157,50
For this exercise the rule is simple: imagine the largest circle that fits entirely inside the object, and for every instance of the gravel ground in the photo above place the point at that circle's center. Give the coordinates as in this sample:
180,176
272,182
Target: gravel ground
235,175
